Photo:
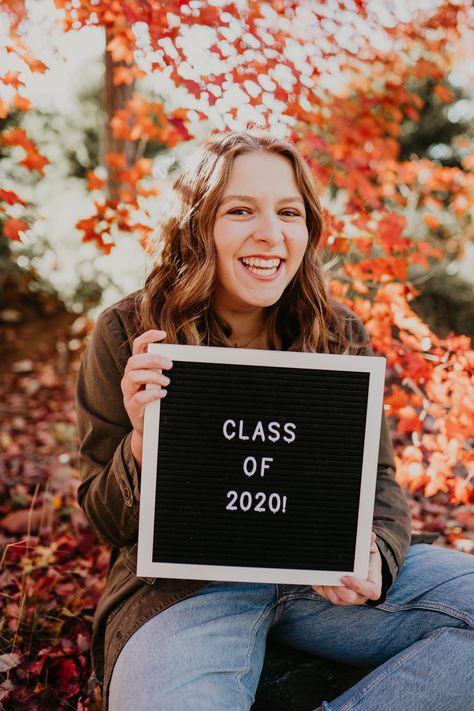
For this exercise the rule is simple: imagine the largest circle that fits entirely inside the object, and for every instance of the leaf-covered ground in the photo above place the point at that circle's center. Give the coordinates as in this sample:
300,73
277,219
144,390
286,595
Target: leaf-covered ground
52,567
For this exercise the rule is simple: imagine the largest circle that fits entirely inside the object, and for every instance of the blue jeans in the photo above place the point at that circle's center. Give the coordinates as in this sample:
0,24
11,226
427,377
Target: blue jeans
206,653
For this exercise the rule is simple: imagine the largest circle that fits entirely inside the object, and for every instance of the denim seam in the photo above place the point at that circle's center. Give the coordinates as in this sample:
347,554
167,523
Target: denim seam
391,607
394,667
289,597
251,646
432,606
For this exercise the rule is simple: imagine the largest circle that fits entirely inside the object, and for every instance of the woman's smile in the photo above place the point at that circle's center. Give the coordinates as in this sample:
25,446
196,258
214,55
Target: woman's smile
262,267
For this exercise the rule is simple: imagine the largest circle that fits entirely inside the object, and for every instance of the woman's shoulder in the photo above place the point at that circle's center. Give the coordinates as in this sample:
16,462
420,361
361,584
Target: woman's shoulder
116,327
123,314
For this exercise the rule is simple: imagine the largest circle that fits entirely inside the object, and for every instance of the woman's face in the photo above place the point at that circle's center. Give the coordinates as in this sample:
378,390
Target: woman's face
260,232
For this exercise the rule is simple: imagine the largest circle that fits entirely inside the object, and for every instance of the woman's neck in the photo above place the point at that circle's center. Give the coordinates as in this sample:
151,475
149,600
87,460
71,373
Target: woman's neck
248,329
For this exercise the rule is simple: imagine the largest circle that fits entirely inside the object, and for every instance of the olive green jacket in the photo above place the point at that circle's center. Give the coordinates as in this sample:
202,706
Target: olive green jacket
109,493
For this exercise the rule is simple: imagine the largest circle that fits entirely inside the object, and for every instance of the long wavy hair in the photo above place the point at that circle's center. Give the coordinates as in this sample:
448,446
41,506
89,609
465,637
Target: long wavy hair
178,293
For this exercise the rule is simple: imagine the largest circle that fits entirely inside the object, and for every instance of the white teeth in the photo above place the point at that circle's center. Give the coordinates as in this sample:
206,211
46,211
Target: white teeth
262,272
262,263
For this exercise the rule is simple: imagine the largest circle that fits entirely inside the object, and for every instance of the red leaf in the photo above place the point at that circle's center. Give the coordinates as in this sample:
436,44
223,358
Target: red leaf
116,160
13,227
67,675
94,182
35,161
10,197
390,230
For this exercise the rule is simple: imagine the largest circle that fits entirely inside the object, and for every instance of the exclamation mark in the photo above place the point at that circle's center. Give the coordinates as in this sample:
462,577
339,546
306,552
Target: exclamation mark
284,505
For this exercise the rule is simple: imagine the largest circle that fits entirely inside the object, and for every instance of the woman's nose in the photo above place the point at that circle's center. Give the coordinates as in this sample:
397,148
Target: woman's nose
268,230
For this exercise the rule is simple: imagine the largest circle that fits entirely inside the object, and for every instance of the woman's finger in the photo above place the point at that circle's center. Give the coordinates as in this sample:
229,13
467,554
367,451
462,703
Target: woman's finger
371,588
141,342
355,591
346,596
338,594
136,406
320,590
148,360
134,380
332,595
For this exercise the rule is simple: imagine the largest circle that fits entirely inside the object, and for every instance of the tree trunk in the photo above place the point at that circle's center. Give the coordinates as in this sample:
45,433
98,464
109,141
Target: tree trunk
115,97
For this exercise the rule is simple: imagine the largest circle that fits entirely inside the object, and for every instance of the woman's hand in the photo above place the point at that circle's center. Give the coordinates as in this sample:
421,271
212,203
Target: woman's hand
355,591
142,369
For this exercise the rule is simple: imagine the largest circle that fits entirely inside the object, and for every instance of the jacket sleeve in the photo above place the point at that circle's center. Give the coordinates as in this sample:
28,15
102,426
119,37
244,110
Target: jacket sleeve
109,488
392,518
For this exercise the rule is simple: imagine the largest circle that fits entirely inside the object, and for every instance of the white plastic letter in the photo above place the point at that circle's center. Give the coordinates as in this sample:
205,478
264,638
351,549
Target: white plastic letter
258,432
224,429
241,431
289,428
250,466
264,465
274,429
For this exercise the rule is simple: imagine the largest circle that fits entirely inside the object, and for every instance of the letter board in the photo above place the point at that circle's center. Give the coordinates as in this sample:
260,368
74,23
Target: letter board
260,466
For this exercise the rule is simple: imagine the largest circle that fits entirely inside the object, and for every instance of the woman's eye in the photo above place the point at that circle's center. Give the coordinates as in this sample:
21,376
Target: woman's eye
239,211
290,213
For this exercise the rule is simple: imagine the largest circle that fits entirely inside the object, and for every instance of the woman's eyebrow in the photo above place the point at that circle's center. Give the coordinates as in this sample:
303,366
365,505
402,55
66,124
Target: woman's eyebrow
251,198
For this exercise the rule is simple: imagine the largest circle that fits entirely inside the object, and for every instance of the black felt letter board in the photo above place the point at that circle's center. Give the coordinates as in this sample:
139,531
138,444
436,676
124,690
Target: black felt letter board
258,467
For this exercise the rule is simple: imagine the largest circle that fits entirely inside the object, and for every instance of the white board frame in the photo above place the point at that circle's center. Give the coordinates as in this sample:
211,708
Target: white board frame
373,365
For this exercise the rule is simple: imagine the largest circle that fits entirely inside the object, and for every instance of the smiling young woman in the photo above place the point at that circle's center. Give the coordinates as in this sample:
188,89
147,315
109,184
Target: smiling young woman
239,265
208,217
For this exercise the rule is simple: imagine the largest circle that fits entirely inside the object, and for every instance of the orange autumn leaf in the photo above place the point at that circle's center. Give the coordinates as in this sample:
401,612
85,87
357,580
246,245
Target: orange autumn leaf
443,93
412,454
35,161
462,491
389,232
397,399
94,182
359,286
437,475
116,160
432,222
419,259
427,249
21,103
409,420
4,109
121,47
412,113
339,244
34,64
147,192
410,473
364,244
17,137
13,227
123,75
10,197
12,79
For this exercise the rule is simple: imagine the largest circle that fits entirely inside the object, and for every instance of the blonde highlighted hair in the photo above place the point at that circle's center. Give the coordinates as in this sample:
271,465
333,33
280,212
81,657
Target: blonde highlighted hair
178,293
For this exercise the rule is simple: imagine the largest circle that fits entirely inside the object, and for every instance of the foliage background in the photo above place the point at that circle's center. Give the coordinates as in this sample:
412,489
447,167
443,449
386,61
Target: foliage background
100,100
